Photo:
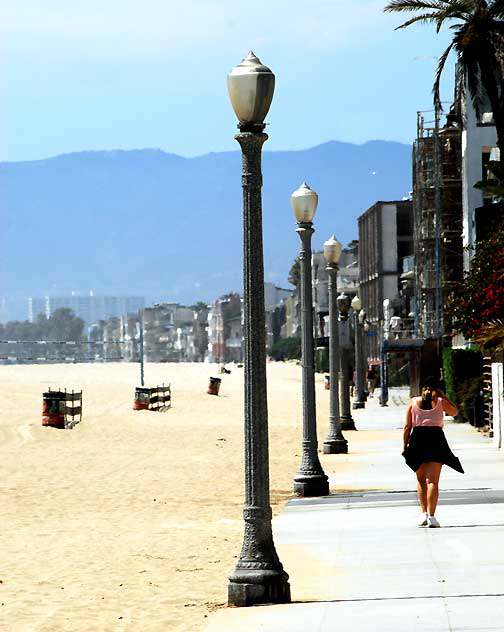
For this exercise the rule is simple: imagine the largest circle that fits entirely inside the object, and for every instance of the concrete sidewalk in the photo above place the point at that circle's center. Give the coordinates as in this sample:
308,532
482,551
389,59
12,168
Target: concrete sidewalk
357,561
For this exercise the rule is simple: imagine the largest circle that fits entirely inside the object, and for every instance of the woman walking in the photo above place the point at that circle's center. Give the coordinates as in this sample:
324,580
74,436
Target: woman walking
371,377
425,447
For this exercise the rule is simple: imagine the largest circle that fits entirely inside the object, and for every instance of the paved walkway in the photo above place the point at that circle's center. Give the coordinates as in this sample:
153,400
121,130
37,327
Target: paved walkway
358,562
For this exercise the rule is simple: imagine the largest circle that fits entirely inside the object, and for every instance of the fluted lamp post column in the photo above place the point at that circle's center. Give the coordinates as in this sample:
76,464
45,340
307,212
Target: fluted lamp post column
310,480
343,302
335,442
258,576
364,328
359,383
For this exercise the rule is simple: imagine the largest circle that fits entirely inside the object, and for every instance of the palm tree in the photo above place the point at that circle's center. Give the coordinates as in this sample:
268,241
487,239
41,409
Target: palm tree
478,42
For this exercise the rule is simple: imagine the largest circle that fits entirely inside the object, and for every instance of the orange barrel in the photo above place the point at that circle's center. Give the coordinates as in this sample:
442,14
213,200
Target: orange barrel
214,385
142,398
327,382
53,409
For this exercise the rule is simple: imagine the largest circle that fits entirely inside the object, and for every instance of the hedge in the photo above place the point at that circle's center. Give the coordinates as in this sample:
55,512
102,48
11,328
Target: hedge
463,377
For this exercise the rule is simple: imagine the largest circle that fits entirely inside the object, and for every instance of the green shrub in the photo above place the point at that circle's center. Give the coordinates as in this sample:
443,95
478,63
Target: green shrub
286,349
463,377
322,360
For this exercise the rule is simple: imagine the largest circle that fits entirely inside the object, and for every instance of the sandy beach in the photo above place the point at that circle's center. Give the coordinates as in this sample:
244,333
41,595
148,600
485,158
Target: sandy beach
133,519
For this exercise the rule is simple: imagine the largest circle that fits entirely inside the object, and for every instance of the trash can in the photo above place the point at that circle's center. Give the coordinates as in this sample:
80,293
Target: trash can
214,386
327,382
53,409
142,398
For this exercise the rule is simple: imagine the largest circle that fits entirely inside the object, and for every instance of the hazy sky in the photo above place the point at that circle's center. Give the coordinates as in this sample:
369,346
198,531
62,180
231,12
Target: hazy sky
107,74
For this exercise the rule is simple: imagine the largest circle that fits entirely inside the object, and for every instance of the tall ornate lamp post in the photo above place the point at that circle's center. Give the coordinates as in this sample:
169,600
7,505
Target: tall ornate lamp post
335,442
364,356
258,576
383,364
359,383
311,479
343,302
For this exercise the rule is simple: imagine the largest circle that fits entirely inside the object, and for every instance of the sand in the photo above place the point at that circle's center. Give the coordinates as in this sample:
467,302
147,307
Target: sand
132,520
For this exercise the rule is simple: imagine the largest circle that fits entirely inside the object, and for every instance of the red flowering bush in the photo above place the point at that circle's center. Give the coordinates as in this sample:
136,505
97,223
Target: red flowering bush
478,301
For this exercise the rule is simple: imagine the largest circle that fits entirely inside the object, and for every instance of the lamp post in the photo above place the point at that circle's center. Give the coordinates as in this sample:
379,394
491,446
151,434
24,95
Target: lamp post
364,328
310,480
141,351
359,385
258,576
335,442
343,302
383,399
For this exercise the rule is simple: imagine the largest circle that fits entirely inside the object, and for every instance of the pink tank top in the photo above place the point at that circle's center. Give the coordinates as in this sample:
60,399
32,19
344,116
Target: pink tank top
432,417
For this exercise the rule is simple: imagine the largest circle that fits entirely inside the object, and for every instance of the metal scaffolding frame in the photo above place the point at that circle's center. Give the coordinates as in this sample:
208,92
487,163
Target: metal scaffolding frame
437,211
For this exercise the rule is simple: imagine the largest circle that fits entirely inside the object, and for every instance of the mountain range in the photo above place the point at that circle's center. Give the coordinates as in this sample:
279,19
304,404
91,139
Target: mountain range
145,222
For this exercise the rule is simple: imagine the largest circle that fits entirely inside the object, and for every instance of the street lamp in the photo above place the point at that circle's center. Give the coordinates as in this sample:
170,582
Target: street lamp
311,479
343,302
335,442
258,576
359,385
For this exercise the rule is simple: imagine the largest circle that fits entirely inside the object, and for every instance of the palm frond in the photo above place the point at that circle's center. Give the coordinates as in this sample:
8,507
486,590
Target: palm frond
449,15
439,72
473,78
491,334
496,9
455,10
414,5
422,19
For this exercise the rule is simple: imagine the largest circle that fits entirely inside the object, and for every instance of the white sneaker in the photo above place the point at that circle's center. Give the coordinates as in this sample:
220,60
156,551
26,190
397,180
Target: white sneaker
432,522
423,520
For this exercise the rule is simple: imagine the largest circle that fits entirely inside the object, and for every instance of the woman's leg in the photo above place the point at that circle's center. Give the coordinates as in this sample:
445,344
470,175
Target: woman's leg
432,474
422,486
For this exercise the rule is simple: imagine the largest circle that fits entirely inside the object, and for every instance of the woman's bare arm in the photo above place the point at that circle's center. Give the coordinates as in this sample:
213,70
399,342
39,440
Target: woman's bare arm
407,427
448,406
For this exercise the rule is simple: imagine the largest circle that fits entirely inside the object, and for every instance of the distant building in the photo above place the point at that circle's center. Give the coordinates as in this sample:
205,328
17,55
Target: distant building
90,308
385,239
113,339
130,332
479,140
225,329
171,333
275,299
274,295
200,332
162,338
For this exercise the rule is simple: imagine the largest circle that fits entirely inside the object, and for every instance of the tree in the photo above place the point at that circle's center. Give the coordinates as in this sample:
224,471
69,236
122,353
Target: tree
295,274
199,306
64,325
478,42
286,349
477,305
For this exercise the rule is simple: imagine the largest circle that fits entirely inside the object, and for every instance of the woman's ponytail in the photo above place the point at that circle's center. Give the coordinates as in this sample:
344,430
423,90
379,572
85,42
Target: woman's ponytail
429,389
426,402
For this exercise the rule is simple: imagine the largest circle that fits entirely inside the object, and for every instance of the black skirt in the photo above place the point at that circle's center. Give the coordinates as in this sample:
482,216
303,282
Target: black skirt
428,444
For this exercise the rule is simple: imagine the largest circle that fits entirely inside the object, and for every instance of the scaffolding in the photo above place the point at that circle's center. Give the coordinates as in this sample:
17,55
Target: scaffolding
437,212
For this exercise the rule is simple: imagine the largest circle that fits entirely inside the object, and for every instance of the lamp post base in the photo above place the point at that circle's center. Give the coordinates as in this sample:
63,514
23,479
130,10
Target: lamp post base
311,485
358,404
347,423
335,446
250,587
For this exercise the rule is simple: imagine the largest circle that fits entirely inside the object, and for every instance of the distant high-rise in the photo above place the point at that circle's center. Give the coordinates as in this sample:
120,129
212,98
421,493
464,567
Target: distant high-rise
90,308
